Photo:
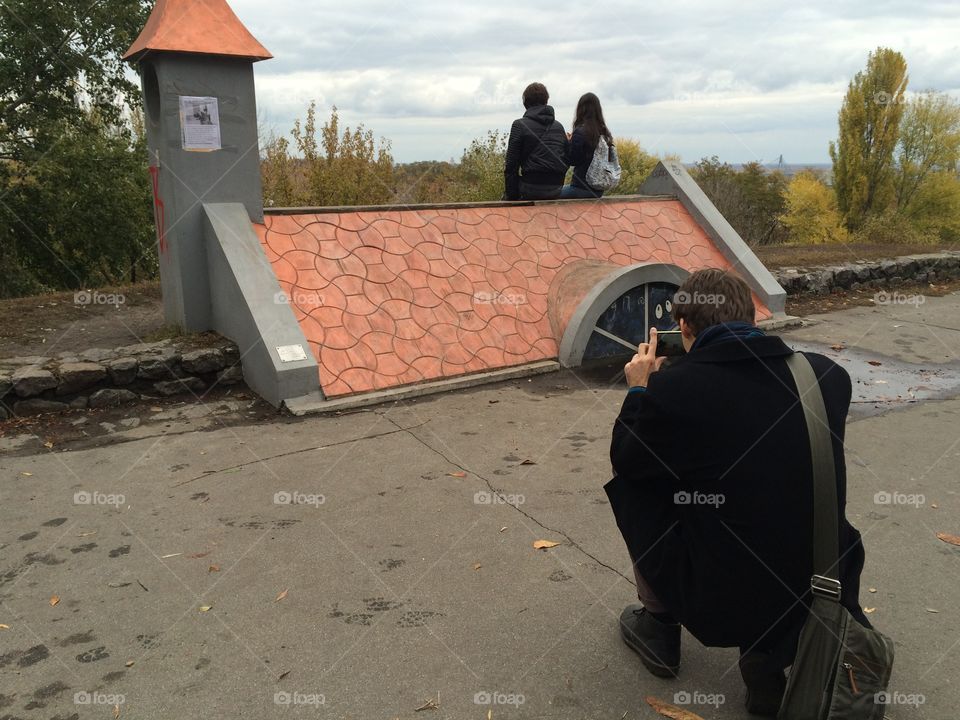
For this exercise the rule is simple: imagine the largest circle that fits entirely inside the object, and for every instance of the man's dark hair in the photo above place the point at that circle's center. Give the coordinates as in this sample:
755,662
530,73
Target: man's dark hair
713,296
535,94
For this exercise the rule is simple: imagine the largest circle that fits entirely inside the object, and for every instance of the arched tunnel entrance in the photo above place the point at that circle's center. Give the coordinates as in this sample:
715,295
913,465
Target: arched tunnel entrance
604,311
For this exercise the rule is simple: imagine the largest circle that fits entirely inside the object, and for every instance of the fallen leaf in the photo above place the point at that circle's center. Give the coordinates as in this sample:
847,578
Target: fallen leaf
213,568
934,506
116,712
875,363
670,711
27,474
281,596
198,555
117,584
868,611
952,539
54,599
164,557
932,610
477,566
4,627
129,663
544,544
493,401
490,714
838,347
206,608
503,528
87,534
283,675
873,589
430,704
156,409
528,462
48,444
457,474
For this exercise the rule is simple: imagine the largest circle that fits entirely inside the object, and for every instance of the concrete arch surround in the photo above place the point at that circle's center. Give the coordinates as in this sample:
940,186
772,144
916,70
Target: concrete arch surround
602,295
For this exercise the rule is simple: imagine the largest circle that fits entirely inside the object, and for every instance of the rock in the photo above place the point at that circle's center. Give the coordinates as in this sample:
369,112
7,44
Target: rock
29,381
159,365
206,360
5,383
109,427
34,406
123,371
130,422
3,413
79,403
166,388
97,354
143,348
77,376
111,397
38,360
79,421
230,376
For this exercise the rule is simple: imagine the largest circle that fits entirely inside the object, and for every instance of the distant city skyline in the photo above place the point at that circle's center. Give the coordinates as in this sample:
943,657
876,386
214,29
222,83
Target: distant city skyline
693,78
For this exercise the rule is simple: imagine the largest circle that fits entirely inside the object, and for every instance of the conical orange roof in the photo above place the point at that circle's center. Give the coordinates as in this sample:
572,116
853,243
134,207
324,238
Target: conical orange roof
208,27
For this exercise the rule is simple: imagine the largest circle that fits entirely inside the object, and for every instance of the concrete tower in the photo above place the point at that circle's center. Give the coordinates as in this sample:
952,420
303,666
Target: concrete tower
195,60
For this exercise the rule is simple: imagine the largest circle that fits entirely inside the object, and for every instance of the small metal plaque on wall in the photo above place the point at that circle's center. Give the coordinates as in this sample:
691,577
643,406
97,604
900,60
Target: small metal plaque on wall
291,353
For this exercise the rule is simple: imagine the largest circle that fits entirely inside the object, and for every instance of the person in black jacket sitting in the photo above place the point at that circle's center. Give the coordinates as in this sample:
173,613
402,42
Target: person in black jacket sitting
536,161
588,127
713,490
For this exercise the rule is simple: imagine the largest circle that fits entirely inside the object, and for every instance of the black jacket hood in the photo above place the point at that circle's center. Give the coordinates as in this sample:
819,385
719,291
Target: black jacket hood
542,114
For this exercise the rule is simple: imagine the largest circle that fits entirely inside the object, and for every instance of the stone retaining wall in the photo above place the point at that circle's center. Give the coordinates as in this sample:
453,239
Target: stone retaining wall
931,267
108,377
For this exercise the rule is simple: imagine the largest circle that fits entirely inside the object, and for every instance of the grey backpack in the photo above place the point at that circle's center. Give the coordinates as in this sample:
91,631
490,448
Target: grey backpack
604,171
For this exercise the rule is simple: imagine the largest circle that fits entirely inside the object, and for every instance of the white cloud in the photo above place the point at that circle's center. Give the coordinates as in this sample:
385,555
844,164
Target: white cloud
743,81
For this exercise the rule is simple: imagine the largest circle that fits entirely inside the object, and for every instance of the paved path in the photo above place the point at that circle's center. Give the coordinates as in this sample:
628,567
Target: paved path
407,582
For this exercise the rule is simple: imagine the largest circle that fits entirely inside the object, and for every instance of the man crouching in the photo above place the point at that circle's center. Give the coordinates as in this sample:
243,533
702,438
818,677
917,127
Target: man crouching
713,490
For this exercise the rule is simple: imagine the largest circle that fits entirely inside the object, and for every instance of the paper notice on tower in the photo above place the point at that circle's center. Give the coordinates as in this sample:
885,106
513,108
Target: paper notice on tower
199,123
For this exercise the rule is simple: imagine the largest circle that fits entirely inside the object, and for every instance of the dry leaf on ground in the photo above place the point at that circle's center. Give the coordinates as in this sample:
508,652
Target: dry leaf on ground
206,608
528,462
544,544
875,363
670,711
194,556
947,538
116,712
457,474
4,627
838,347
164,557
477,566
869,610
213,568
281,596
54,599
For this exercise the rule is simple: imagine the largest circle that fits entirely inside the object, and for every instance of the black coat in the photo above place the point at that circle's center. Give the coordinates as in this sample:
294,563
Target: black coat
536,150
581,155
725,420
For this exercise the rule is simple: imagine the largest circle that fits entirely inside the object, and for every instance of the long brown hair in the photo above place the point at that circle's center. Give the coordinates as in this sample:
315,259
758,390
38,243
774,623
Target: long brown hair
589,118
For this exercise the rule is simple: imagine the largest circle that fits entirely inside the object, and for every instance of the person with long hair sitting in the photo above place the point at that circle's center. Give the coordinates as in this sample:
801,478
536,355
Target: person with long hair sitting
588,128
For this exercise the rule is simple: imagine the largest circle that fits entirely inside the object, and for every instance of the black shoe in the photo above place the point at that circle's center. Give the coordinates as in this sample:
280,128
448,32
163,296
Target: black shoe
657,643
765,684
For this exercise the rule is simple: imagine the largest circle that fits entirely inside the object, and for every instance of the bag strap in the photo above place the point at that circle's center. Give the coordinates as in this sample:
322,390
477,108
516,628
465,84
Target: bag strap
825,523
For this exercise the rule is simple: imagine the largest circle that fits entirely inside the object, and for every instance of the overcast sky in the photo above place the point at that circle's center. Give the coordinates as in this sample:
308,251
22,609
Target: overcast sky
745,81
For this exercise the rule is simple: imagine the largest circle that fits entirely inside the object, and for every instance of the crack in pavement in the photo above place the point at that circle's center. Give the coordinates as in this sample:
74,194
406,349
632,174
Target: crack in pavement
212,473
527,515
